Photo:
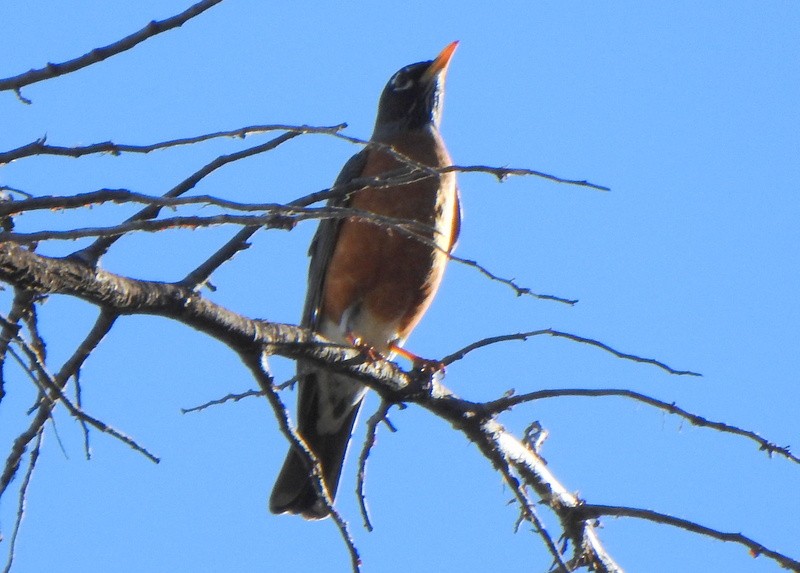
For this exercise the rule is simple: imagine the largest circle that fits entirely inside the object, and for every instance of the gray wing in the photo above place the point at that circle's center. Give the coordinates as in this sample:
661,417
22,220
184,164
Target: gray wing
324,242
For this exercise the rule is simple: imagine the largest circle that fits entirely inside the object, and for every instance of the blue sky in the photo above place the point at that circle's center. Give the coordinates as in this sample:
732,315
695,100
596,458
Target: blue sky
687,111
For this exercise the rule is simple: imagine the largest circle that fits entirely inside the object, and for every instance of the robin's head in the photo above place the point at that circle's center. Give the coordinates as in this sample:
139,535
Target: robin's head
414,96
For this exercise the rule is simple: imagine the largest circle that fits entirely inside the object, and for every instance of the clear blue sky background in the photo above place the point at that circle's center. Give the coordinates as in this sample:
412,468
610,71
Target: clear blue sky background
687,110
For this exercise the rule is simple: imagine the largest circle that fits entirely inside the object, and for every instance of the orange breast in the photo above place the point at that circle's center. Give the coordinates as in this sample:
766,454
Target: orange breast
382,272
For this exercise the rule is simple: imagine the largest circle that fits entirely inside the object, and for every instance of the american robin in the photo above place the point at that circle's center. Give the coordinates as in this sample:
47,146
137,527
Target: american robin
367,282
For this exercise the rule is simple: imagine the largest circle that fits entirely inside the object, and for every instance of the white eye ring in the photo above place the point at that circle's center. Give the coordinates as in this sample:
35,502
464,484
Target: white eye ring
401,82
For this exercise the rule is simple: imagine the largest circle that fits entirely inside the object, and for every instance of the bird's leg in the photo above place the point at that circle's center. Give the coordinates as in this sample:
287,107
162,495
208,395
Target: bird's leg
417,362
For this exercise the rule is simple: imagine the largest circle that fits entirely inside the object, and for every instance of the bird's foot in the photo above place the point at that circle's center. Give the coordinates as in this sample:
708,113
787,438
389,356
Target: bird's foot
425,365
368,350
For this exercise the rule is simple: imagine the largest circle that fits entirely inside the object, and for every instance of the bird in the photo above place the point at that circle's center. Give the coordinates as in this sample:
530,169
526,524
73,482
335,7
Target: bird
369,284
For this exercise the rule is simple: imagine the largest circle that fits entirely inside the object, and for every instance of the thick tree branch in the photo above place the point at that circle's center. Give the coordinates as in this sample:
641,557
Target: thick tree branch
250,338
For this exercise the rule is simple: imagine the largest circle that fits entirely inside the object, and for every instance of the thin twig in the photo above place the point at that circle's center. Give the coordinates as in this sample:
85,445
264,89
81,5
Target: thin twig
15,190
97,249
202,273
223,400
51,385
99,54
503,173
23,490
519,290
87,449
257,365
500,173
101,327
771,448
125,196
527,511
594,511
41,147
459,354
369,442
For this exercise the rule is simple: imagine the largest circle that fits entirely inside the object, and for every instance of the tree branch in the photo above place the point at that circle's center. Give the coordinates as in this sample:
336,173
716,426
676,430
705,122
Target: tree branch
154,28
592,511
459,354
104,323
40,146
23,493
97,249
771,448
256,362
249,338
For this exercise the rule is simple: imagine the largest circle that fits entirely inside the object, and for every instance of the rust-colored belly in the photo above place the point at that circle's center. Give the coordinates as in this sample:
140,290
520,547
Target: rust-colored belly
382,274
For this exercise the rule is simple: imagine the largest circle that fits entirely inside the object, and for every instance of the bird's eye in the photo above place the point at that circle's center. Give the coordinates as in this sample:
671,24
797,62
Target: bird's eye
400,82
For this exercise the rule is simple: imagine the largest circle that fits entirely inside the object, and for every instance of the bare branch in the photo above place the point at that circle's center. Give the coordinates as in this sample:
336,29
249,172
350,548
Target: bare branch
224,399
771,448
503,173
593,511
25,194
369,442
256,362
49,384
459,354
20,306
40,146
104,323
520,290
23,491
97,249
99,54
250,338
500,172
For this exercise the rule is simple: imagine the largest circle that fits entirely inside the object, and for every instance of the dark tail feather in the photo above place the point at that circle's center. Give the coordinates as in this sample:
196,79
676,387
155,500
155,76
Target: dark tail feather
294,491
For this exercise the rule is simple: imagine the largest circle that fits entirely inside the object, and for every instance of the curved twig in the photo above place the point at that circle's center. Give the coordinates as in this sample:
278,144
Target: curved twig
41,147
459,354
154,28
594,511
229,398
256,362
497,406
23,491
369,442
